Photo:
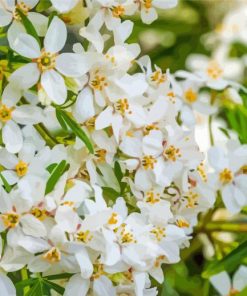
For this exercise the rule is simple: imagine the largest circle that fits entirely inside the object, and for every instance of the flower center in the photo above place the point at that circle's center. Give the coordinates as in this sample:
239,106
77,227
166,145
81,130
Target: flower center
233,292
122,106
47,61
226,176
10,220
98,82
147,4
152,198
39,214
182,223
118,11
172,153
21,168
5,113
126,236
202,172
192,200
158,77
158,232
53,255
20,7
113,219
214,71
190,95
148,162
100,155
84,236
149,128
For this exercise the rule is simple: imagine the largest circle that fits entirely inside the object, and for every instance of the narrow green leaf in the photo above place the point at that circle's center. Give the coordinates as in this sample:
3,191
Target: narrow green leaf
5,183
28,25
54,287
167,290
61,120
225,132
229,263
55,176
43,5
58,276
76,129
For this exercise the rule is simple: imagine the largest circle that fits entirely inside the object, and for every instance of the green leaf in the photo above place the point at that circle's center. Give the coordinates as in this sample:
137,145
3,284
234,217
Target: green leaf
28,25
5,183
37,289
167,290
243,292
75,127
43,5
119,175
60,169
229,263
225,132
54,287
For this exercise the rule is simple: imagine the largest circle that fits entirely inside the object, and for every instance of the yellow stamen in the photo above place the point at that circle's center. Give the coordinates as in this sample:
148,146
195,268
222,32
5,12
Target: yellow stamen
21,168
148,162
53,255
113,219
10,220
226,176
5,113
190,96
172,153
118,11
47,61
84,236
39,214
214,71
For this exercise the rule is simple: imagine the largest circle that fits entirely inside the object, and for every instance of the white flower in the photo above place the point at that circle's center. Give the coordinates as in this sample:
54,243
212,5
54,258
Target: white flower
230,175
64,6
223,284
47,65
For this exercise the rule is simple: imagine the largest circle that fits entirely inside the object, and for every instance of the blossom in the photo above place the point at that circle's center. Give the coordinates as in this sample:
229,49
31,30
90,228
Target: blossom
47,65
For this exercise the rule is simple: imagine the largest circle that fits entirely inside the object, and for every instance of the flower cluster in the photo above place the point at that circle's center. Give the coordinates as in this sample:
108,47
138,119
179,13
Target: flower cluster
101,175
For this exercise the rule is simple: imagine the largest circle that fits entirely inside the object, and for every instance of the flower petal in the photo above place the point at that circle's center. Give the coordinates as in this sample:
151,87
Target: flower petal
27,46
5,17
12,137
56,35
54,85
6,286
77,286
39,21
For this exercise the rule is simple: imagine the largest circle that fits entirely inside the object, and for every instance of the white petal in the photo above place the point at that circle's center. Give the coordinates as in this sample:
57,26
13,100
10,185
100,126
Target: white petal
148,15
85,263
64,6
104,119
56,35
84,106
32,226
103,287
7,288
240,278
39,21
8,160
54,85
27,46
12,137
27,114
73,64
221,283
26,76
229,199
67,218
77,286
11,95
5,17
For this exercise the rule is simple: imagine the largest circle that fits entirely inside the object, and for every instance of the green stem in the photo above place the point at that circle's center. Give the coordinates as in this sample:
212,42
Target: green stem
45,134
211,136
223,226
24,276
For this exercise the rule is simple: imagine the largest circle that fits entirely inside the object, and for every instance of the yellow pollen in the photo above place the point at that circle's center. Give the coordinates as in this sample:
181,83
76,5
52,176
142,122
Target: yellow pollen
192,200
47,61
172,153
152,198
190,95
98,271
158,77
5,113
243,170
118,11
147,4
149,128
182,223
113,219
53,255
202,172
23,7
39,214
148,162
126,236
226,176
122,106
98,82
68,203
158,232
84,236
10,220
159,260
214,71
233,292
21,168
100,155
